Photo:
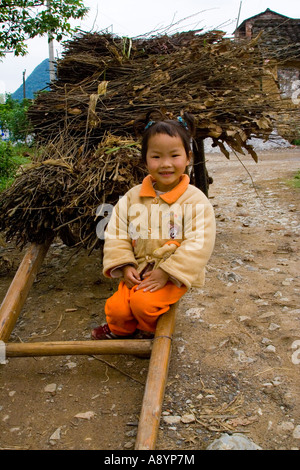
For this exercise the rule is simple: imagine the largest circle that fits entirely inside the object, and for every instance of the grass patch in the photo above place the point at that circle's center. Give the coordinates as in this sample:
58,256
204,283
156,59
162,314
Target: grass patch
295,182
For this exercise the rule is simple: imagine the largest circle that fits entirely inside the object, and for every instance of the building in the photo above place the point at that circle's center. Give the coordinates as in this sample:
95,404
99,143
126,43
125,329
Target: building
280,45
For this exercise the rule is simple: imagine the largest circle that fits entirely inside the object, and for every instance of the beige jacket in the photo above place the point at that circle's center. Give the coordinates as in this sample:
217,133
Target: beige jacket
174,231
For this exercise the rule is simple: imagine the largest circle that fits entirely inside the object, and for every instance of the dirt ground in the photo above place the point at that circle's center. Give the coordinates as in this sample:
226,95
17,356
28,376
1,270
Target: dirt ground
236,352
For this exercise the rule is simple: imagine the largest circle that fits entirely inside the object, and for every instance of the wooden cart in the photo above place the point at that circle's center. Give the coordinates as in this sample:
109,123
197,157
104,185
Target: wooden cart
158,349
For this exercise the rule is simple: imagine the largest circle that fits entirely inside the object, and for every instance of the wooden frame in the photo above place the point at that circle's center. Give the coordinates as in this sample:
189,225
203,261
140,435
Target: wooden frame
159,349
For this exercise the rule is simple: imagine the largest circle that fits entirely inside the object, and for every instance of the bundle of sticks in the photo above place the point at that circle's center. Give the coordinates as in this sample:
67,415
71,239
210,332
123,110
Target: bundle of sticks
88,153
105,82
62,192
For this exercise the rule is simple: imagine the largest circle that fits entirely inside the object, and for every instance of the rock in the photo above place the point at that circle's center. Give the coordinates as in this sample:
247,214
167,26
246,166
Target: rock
271,348
229,277
195,313
242,356
285,426
172,419
273,327
71,365
188,418
233,442
50,388
244,318
128,445
14,429
87,415
277,381
56,435
296,433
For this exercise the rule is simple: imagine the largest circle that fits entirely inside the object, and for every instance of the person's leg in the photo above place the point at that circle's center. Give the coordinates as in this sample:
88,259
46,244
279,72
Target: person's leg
147,306
120,321
118,312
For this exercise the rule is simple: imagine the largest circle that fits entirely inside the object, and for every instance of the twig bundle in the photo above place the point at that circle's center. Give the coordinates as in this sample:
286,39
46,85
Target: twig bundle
60,195
104,84
88,152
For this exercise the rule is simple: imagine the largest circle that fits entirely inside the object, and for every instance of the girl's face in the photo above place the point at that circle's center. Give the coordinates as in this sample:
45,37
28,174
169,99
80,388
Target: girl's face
166,160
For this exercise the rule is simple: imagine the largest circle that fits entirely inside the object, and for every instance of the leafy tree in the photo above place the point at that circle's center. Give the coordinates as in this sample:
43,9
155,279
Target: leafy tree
13,118
25,19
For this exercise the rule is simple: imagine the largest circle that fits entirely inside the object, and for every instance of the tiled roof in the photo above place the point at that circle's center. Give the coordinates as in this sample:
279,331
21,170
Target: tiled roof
279,37
265,13
280,34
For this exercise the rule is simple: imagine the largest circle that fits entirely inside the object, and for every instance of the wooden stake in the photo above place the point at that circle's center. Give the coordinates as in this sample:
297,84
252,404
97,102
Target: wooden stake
19,288
200,172
140,347
156,382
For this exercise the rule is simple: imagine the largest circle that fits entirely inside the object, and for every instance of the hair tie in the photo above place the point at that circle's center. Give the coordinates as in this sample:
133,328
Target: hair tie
150,123
183,123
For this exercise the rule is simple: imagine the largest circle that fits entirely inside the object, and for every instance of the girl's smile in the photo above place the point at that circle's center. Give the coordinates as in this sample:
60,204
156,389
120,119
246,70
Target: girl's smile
166,160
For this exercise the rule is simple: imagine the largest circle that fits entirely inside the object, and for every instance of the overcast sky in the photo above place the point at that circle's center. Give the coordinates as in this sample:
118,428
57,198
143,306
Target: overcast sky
137,17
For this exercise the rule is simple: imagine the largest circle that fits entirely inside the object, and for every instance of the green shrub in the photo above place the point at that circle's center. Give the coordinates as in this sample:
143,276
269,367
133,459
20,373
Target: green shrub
13,119
11,157
7,164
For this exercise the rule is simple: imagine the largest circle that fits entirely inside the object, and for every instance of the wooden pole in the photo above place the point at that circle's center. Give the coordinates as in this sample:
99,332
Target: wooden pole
200,173
140,347
156,382
19,288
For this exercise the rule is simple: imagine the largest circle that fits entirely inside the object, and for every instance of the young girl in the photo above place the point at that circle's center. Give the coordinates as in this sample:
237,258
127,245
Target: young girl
160,236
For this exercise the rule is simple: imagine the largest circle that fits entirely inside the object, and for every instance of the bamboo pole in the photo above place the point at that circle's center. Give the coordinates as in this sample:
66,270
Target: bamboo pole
156,382
19,288
141,347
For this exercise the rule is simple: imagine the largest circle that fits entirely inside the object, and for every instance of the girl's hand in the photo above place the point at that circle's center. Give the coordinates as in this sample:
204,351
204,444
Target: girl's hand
131,276
154,281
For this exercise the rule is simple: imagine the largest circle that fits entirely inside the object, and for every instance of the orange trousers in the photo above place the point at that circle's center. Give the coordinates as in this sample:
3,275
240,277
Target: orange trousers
129,309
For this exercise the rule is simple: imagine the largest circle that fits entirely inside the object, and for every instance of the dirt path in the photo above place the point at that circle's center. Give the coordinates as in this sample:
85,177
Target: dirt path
236,356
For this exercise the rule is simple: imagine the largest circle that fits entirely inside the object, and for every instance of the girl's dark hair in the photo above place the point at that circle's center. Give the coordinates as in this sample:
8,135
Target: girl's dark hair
154,123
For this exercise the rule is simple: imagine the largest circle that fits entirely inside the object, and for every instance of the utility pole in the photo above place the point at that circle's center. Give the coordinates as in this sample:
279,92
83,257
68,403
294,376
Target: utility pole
51,51
24,85
238,18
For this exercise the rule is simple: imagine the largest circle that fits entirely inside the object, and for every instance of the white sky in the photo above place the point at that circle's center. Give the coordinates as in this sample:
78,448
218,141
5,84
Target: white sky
137,17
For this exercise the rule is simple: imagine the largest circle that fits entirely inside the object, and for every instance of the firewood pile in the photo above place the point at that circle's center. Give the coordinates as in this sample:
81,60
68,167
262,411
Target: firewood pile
88,153
61,193
104,83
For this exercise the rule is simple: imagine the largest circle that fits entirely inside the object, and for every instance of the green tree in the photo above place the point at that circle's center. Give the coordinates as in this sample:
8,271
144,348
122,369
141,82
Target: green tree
25,19
13,118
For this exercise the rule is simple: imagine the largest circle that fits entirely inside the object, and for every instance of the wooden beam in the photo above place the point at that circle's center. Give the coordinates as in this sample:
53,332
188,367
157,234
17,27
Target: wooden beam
156,382
140,347
200,172
19,288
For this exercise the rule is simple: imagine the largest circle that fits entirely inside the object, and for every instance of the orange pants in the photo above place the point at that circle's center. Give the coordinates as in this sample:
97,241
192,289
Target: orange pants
130,309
